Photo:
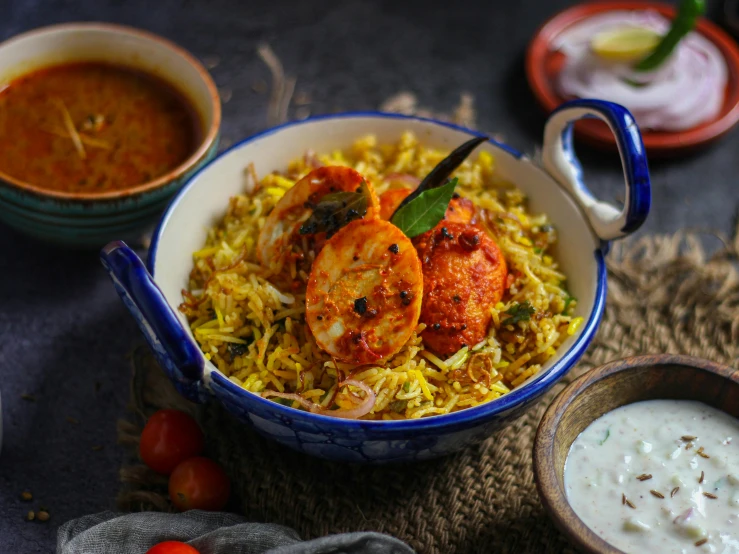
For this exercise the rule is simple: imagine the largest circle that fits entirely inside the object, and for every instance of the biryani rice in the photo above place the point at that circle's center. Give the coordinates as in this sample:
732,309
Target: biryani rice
256,333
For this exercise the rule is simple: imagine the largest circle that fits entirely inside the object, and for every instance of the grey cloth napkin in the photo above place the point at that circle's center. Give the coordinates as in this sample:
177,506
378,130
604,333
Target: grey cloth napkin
209,533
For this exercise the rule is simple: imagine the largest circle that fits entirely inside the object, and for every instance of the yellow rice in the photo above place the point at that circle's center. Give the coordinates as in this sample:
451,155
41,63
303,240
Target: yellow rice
257,336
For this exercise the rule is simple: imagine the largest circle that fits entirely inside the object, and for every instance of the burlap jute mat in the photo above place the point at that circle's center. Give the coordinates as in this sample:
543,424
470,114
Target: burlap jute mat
665,295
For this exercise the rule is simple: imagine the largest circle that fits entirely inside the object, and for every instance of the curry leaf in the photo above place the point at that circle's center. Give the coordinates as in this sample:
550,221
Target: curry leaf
568,301
424,211
336,209
398,406
235,350
519,312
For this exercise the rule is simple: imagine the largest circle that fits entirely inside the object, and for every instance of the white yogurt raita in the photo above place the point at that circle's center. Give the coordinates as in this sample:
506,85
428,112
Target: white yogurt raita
659,476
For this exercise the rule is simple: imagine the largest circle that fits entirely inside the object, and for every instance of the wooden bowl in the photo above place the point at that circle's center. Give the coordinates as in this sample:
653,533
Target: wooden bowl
543,64
604,389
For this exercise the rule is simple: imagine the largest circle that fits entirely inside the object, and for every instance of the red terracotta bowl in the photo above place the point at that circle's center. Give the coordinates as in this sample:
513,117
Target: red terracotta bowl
543,64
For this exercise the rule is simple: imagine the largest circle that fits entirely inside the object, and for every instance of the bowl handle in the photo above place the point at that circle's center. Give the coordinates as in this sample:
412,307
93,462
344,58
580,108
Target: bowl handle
174,349
561,162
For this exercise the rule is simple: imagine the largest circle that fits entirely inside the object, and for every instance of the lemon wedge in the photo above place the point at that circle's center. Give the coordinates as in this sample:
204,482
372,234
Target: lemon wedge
624,44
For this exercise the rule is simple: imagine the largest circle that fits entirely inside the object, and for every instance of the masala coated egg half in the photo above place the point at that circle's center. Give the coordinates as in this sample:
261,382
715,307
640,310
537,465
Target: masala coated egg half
364,292
464,275
282,227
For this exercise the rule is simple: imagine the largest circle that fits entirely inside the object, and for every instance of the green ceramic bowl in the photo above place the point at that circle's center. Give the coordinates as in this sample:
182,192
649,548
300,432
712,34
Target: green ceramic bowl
90,220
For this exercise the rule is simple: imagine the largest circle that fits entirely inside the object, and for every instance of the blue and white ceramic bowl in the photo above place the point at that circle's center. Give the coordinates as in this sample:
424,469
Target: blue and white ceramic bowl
585,228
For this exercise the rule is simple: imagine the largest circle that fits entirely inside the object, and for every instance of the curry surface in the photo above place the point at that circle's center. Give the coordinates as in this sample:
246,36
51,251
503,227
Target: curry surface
133,128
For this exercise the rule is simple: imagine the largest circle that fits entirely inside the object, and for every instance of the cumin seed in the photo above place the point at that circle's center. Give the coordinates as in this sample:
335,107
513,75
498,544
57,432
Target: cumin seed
701,542
623,498
674,491
688,438
701,453
703,476
657,493
710,495
629,503
644,476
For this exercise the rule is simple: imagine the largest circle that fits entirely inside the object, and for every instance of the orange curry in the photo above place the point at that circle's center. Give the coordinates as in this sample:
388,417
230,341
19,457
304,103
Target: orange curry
93,127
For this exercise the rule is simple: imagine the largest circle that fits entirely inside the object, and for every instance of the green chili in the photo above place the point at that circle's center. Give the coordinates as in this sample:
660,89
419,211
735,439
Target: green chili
687,15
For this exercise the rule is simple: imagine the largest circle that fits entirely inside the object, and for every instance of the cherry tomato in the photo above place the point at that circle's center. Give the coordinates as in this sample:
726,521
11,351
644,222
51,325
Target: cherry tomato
199,484
170,437
172,547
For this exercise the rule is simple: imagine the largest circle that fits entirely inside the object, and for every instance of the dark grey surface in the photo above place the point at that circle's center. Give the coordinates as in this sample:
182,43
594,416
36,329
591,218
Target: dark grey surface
61,326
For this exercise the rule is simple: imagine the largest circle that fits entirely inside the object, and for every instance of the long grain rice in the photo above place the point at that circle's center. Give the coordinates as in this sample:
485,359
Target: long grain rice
255,333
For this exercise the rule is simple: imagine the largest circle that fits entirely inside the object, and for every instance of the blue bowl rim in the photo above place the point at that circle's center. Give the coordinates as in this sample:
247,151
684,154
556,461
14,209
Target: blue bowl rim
540,383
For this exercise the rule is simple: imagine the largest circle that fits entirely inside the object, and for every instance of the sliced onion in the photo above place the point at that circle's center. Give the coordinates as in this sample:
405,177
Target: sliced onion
684,517
688,89
405,178
361,409
307,404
